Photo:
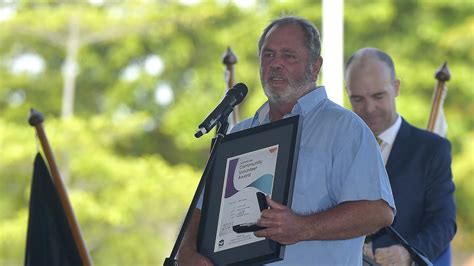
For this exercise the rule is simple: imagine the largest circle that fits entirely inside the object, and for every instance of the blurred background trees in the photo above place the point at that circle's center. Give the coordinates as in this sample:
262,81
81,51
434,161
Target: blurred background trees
123,86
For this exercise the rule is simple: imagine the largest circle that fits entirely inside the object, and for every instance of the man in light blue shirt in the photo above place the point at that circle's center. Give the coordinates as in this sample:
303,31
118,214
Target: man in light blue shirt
341,190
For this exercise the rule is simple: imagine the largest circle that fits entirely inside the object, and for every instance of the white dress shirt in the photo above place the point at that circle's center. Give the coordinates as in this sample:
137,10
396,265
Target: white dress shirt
388,138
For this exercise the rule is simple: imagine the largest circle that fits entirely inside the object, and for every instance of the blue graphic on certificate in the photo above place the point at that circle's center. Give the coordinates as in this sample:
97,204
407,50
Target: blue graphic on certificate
245,175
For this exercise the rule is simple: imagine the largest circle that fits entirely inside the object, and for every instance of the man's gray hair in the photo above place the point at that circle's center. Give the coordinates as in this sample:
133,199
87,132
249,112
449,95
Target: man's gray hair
311,34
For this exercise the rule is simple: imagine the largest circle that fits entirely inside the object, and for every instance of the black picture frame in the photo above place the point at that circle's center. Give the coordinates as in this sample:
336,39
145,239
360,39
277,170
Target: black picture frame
286,134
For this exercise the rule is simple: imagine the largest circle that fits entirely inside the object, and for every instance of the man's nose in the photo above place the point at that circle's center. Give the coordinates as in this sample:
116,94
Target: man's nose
370,106
276,62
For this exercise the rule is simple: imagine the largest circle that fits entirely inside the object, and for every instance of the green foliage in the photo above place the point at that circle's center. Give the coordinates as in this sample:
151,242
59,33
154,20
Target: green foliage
131,165
118,199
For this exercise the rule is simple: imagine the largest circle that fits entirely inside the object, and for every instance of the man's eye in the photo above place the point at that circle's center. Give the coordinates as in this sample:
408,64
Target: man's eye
356,100
267,54
289,56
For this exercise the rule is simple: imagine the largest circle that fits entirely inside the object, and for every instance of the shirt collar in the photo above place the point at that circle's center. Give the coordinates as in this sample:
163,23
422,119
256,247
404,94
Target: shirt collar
389,134
303,106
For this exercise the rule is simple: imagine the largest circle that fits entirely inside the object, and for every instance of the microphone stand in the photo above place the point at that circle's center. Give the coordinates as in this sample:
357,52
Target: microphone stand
222,125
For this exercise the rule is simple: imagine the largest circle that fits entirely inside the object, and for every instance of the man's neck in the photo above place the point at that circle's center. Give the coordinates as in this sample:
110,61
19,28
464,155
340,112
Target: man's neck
393,121
278,110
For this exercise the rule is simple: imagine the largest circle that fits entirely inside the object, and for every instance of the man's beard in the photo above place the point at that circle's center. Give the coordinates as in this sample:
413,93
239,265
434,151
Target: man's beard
294,90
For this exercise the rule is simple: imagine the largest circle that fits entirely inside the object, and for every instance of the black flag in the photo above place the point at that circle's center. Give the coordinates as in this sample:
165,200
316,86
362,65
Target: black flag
49,240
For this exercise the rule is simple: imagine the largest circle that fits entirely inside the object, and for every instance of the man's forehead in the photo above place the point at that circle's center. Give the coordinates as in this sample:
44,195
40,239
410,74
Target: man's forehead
288,37
282,49
367,92
368,65
368,88
275,31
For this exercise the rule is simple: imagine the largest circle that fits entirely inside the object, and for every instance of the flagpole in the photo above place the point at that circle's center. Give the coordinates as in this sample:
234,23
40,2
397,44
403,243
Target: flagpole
36,120
442,75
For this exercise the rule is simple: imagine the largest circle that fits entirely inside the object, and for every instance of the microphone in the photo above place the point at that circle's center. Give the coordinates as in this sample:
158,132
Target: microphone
233,97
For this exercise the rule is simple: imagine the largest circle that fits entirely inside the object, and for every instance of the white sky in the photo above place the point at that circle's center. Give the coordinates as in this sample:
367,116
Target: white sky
164,94
7,12
153,65
30,63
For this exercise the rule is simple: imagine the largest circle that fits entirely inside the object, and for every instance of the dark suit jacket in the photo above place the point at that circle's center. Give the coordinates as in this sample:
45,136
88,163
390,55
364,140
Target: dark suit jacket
419,169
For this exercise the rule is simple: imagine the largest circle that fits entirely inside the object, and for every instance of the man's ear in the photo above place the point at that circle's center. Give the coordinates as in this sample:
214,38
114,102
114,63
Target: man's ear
317,67
396,87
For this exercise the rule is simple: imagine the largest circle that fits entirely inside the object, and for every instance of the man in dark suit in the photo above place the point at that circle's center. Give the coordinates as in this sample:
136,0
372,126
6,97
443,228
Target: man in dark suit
418,164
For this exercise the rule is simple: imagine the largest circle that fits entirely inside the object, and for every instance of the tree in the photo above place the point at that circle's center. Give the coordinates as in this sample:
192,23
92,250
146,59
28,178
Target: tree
134,162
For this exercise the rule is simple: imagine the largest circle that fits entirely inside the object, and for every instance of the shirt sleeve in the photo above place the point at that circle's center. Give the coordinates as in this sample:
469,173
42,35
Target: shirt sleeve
358,171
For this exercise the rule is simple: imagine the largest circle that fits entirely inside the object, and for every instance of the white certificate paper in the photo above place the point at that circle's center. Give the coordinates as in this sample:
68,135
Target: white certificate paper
245,175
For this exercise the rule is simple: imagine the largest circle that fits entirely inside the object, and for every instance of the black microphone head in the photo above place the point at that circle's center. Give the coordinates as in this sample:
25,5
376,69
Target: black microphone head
239,91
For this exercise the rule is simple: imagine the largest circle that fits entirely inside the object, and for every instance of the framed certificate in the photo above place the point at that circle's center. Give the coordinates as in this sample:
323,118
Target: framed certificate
249,165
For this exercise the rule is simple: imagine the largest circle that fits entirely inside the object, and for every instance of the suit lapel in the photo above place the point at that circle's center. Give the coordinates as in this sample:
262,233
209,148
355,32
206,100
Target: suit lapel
402,141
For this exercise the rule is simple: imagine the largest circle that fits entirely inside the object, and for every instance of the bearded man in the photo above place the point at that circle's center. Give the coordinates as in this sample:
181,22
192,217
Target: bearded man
341,190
